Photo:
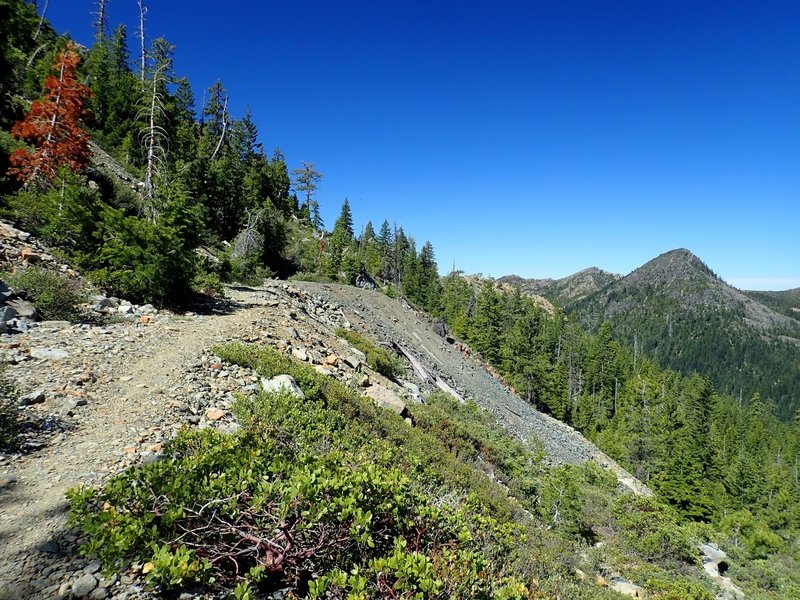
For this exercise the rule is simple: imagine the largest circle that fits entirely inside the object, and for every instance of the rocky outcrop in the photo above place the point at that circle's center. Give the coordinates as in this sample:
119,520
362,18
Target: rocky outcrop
715,564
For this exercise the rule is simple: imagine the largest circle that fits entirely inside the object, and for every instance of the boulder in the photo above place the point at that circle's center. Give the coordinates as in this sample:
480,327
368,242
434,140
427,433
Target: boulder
625,587
282,383
102,304
364,281
83,586
215,414
7,313
386,398
35,397
23,308
5,292
29,255
414,392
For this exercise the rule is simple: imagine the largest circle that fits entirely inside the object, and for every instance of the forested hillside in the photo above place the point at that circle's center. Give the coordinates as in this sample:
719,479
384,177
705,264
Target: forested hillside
567,289
675,310
786,302
715,458
194,176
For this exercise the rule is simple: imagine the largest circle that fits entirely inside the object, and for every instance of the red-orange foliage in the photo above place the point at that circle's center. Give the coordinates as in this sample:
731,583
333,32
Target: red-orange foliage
54,125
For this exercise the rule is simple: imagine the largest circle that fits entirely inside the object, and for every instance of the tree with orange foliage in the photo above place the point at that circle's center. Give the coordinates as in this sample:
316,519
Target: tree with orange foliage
53,125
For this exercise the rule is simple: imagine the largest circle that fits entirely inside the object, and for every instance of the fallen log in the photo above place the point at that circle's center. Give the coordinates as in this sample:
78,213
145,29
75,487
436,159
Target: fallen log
425,374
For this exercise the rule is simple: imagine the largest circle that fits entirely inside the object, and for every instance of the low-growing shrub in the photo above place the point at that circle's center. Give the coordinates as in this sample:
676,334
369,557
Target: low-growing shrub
311,276
9,419
54,295
651,530
302,497
380,359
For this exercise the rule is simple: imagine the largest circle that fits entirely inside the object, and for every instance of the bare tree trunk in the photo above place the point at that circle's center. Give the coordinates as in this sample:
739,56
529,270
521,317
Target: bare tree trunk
41,20
224,128
101,21
155,138
143,54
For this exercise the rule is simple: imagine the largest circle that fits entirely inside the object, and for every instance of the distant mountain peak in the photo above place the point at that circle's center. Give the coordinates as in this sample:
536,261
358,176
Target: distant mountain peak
678,262
679,312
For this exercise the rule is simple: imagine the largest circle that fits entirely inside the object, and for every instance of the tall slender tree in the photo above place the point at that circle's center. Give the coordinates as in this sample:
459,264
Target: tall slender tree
306,181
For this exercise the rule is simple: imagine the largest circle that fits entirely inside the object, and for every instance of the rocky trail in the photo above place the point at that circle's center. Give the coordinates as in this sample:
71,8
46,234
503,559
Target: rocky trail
102,397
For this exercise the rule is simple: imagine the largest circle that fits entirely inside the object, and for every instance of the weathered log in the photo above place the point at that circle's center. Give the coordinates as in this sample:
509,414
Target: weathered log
425,374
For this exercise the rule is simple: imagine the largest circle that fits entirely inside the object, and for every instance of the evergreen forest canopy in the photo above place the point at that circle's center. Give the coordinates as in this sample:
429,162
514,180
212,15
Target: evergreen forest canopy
199,177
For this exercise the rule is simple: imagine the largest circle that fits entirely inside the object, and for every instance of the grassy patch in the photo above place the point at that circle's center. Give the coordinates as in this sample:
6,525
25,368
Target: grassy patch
9,418
379,359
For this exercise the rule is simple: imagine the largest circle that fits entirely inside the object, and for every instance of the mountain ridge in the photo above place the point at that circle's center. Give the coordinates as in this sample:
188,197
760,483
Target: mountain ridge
676,310
565,289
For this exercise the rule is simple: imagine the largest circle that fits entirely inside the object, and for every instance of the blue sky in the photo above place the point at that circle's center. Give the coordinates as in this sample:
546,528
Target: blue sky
535,138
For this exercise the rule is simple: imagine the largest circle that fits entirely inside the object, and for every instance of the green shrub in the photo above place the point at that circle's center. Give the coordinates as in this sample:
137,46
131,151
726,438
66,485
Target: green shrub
311,276
143,261
65,215
249,270
680,589
53,294
209,284
9,419
324,494
379,359
651,530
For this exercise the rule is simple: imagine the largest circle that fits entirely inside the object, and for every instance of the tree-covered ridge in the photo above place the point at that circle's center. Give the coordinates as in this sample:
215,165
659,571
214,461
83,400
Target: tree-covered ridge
676,311
200,177
565,290
716,459
786,302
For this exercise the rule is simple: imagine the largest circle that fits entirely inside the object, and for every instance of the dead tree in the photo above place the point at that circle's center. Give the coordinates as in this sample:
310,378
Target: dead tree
143,52
101,20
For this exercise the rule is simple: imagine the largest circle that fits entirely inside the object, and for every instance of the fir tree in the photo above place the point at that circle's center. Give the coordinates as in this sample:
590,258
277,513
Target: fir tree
54,125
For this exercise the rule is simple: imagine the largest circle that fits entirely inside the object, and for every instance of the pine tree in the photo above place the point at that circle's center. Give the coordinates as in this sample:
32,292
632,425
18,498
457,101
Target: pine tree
430,286
307,180
54,125
341,239
485,333
386,247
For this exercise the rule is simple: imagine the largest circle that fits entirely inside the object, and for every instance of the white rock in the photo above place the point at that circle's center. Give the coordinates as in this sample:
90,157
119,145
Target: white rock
49,353
386,398
282,383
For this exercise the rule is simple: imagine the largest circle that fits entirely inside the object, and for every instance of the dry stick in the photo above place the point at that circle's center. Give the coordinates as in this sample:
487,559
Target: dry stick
100,24
142,13
224,127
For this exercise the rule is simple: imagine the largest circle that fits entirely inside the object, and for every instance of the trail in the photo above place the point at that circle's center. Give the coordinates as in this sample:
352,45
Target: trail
126,411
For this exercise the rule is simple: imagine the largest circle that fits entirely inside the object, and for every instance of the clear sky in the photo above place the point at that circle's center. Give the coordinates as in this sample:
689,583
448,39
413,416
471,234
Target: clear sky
535,138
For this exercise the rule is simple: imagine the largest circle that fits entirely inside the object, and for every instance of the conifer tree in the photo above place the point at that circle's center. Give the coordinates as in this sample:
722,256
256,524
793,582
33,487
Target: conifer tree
54,125
341,239
307,180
